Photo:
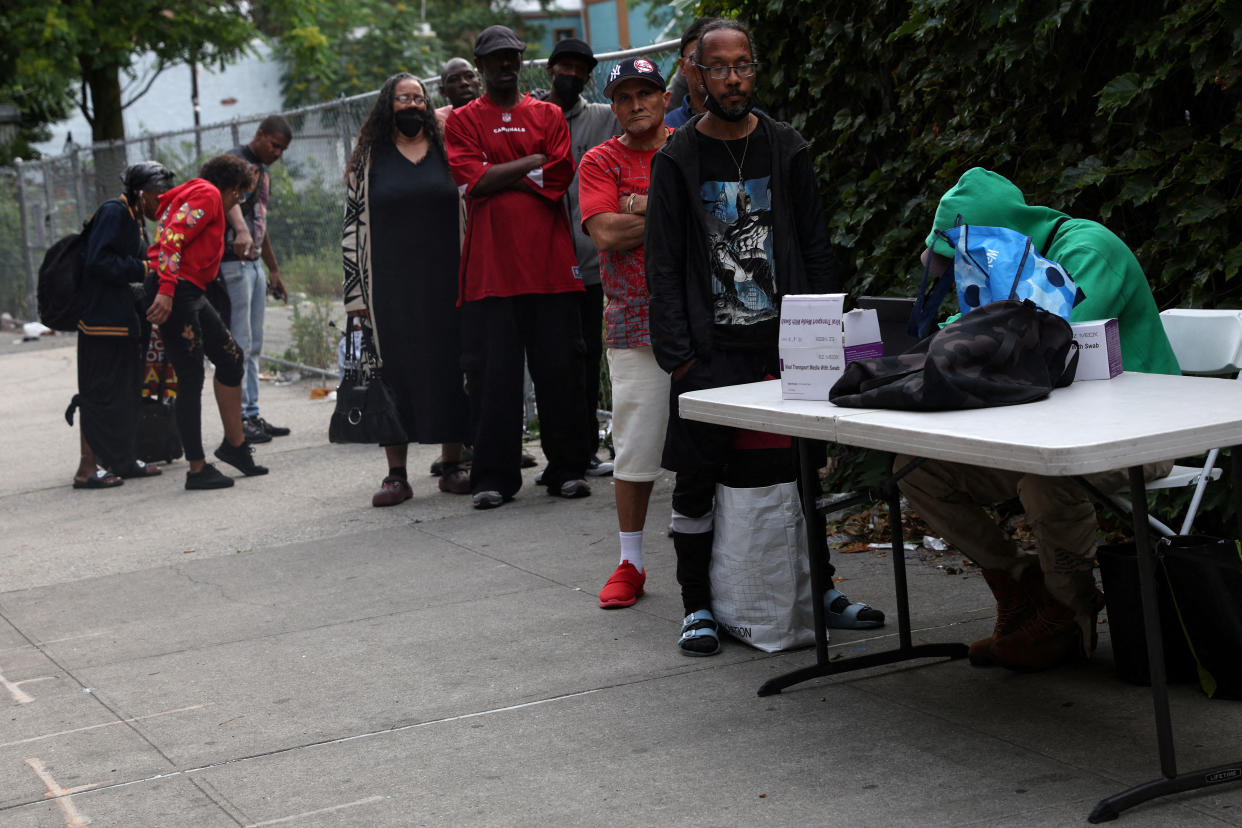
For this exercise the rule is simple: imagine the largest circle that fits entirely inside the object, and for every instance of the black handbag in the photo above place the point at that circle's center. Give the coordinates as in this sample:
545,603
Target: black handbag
365,410
1004,353
157,438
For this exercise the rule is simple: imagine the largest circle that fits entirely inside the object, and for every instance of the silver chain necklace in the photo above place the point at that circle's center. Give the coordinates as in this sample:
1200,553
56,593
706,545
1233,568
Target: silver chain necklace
733,158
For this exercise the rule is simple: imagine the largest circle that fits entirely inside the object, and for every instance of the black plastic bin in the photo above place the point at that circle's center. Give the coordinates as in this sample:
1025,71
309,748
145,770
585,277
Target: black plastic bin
1119,572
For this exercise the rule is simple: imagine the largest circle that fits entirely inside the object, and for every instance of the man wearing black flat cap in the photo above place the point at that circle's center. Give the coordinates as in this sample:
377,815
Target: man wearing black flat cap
590,124
520,288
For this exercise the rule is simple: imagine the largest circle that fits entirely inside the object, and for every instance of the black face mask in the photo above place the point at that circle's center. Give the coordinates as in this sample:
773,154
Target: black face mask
714,107
568,87
410,121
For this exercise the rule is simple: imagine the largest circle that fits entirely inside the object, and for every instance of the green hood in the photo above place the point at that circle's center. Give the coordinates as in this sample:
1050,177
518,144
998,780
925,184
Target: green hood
987,199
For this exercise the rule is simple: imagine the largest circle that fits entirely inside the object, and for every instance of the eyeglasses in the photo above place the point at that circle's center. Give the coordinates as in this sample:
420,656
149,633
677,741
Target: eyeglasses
744,70
417,100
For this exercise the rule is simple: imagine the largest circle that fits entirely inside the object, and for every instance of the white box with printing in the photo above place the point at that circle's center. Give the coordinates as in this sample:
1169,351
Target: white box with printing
809,373
1099,349
861,334
811,321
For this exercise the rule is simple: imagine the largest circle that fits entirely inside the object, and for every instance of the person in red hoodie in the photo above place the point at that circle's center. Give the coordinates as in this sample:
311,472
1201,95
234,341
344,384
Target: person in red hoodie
184,259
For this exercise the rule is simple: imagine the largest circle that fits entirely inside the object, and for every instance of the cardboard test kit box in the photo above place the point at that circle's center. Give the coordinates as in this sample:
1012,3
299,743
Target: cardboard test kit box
1099,349
818,339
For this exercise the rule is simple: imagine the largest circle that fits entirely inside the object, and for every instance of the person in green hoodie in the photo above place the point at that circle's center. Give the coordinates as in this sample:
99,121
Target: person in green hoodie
1046,602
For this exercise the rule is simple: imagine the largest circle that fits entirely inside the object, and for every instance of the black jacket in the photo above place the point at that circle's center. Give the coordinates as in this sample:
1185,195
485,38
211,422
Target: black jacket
675,239
115,256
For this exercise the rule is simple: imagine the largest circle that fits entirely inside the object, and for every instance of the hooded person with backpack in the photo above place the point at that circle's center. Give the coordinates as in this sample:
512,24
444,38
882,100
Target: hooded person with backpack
1046,602
184,259
110,329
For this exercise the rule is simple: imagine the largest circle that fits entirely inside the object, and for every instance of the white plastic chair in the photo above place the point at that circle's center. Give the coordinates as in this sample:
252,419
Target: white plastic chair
1206,343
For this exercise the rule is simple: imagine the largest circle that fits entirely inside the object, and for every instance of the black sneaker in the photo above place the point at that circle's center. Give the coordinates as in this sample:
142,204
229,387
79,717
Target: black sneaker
240,458
208,478
272,430
254,432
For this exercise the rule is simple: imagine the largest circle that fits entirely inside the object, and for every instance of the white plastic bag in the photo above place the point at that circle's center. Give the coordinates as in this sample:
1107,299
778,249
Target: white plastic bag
760,573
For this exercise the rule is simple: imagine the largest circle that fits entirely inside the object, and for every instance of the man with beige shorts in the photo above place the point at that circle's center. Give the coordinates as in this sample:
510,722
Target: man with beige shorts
613,179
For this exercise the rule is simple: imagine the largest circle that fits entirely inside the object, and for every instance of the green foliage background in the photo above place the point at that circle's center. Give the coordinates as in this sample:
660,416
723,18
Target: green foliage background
347,47
50,52
1128,117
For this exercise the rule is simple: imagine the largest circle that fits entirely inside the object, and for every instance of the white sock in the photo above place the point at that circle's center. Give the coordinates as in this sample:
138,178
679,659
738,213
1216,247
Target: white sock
632,548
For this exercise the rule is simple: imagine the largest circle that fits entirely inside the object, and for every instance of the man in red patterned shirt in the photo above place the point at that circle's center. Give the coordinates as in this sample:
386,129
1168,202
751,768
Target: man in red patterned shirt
520,287
612,188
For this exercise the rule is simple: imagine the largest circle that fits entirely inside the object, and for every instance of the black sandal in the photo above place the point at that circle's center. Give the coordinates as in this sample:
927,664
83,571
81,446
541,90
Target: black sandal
140,469
99,479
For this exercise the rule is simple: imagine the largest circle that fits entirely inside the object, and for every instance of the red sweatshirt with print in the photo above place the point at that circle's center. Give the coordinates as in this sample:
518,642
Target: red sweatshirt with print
190,240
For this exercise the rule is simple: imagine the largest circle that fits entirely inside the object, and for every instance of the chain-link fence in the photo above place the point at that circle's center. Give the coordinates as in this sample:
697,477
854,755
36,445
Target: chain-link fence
40,201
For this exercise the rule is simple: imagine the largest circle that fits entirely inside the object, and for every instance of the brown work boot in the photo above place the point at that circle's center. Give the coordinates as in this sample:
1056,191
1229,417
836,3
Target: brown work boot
1050,638
1016,602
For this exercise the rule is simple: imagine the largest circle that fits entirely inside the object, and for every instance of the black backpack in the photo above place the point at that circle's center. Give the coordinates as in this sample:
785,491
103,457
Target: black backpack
61,295
1003,353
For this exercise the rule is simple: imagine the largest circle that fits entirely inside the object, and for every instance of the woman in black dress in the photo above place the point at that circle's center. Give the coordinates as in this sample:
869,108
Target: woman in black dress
401,251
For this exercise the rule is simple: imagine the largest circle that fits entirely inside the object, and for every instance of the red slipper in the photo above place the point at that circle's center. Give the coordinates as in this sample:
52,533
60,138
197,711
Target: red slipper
624,587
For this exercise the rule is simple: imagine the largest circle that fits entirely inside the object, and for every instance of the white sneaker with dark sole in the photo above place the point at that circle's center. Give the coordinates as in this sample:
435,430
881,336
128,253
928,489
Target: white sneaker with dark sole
574,488
598,468
488,499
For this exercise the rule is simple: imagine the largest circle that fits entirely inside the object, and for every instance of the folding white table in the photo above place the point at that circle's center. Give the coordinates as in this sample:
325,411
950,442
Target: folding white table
1088,427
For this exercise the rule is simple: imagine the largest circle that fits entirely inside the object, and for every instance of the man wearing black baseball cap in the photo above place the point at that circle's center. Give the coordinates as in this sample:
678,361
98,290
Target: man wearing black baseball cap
520,288
590,124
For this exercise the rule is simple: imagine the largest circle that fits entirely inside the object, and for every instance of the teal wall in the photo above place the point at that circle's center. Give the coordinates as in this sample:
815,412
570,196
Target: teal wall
605,36
549,25
603,20
642,32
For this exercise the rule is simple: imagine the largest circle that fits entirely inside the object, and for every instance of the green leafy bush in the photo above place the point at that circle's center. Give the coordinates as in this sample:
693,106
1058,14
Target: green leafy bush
13,278
318,275
1130,119
306,211
314,339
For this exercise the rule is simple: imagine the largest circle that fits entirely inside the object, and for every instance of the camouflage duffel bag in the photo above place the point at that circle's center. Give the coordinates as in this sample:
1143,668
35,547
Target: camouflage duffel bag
1003,353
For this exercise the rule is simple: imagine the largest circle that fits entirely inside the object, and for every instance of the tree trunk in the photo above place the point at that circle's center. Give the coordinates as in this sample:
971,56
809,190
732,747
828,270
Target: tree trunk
107,124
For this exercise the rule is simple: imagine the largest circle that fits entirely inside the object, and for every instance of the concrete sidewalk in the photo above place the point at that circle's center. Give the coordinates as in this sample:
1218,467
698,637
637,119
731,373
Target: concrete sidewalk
282,653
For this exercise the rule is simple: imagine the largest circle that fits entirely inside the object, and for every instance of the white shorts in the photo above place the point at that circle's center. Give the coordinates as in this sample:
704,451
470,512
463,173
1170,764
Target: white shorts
640,390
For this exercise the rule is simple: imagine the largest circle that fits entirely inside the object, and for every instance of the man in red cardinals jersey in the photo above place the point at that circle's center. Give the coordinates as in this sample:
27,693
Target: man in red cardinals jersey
520,287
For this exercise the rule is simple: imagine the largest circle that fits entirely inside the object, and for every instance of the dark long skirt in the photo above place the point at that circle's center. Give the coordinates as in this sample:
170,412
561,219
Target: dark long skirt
109,377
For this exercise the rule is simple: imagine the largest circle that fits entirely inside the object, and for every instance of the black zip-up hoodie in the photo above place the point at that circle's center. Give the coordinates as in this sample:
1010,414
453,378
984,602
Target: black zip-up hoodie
114,257
675,245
